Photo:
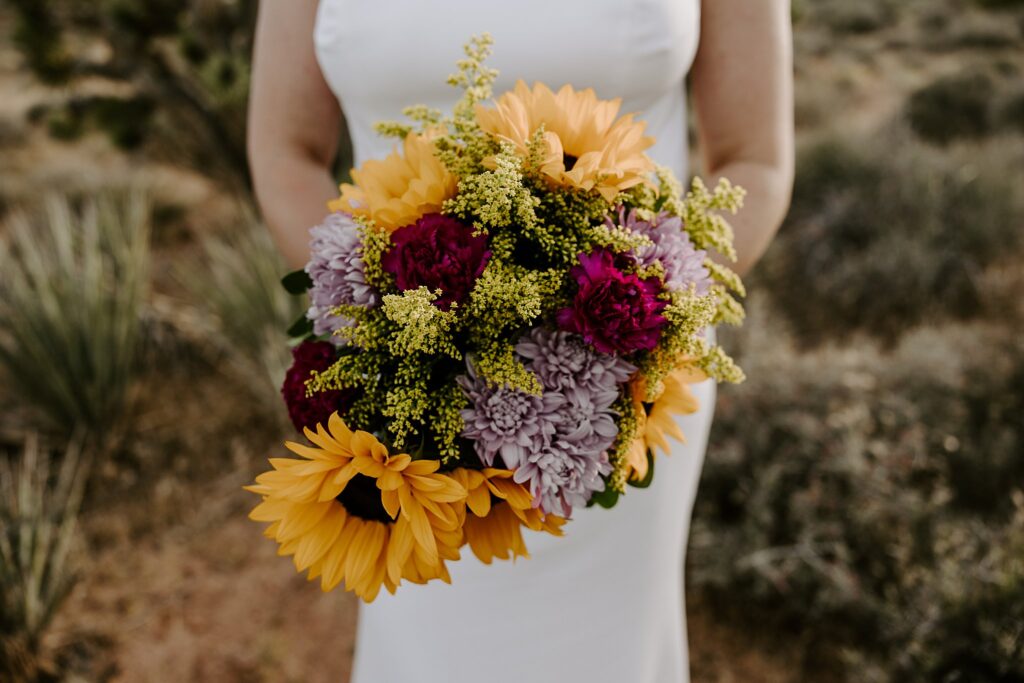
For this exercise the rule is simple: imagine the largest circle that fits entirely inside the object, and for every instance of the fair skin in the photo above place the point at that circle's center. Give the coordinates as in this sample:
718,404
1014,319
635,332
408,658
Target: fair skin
742,88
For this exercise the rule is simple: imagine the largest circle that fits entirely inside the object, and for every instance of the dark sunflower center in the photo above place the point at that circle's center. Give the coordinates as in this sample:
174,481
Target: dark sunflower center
361,498
569,161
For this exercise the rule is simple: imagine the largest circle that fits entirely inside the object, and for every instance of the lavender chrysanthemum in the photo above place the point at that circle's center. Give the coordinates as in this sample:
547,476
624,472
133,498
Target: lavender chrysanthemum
557,443
562,360
336,269
683,262
506,422
569,470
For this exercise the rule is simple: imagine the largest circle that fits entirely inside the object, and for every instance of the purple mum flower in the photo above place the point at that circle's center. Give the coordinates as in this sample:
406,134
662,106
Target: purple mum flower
506,422
683,262
562,360
561,478
570,469
336,269
564,456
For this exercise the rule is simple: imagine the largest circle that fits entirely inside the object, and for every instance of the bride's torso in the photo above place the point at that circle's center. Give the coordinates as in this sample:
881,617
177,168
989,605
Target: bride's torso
379,56
615,575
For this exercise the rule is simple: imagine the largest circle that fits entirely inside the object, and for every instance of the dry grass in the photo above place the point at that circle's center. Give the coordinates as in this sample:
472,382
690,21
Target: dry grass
37,568
237,283
72,286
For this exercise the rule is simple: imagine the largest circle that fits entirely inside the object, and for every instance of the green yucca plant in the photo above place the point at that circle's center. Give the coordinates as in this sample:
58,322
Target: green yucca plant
39,506
239,286
72,284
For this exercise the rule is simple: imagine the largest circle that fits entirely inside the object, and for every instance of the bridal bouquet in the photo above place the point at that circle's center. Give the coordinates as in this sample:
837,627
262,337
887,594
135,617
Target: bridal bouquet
506,314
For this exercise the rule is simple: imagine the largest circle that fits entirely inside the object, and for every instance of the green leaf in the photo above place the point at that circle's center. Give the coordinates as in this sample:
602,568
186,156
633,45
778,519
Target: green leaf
297,282
606,499
301,327
649,477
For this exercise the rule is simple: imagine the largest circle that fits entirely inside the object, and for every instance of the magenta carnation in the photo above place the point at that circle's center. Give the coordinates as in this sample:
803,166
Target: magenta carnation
437,252
308,411
615,312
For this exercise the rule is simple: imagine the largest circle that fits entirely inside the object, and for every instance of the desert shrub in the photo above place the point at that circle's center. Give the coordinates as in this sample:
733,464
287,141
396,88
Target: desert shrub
992,33
952,107
876,501
124,119
1000,4
12,133
39,506
797,11
72,285
181,71
238,284
34,35
184,65
879,242
1011,113
846,16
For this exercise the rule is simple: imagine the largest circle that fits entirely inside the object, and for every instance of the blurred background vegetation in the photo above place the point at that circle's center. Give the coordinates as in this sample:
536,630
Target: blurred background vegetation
861,514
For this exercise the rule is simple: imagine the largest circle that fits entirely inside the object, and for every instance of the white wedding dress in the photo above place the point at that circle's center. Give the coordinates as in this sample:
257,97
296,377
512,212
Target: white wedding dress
603,604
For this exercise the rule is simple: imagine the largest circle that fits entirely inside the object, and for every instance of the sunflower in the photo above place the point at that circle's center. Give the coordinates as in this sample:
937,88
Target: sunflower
497,509
656,426
350,511
585,145
399,189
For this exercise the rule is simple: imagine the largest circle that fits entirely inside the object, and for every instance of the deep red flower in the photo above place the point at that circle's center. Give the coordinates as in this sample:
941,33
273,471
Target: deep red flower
308,411
613,311
437,252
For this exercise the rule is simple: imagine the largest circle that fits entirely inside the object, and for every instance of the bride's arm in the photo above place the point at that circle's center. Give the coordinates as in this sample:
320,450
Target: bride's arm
742,84
294,123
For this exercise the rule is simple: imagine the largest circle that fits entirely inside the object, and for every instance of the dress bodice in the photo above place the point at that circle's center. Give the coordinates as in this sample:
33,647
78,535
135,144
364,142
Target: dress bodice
379,56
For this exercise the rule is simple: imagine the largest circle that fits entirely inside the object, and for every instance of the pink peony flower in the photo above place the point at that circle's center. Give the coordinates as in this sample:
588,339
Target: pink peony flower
613,311
437,252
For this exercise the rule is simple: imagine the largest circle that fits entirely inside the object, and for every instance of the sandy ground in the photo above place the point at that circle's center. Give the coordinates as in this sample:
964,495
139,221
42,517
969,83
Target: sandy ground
207,599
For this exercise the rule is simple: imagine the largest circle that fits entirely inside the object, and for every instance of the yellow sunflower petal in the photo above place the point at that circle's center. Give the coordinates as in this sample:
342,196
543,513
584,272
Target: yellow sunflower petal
479,501
418,523
422,467
270,510
401,188
390,480
312,453
397,463
334,562
516,494
636,457
302,518
339,430
358,556
390,500
313,545
365,557
323,439
424,483
585,145
399,549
